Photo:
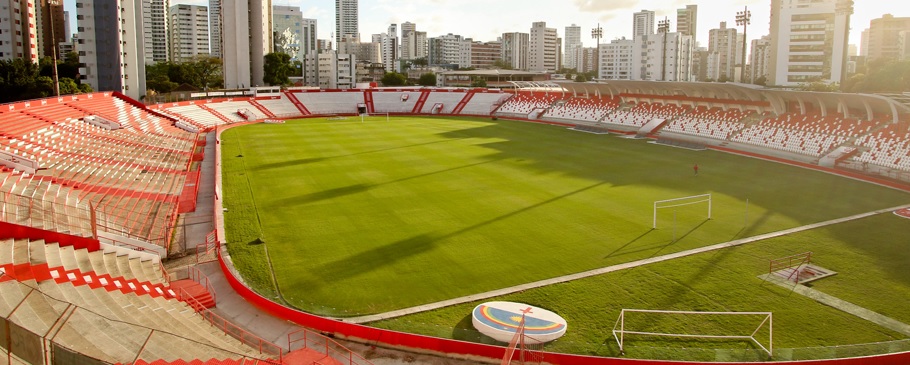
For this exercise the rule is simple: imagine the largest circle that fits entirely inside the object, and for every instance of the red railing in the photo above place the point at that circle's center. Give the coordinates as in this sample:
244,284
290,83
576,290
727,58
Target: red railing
788,262
304,338
196,275
247,338
209,251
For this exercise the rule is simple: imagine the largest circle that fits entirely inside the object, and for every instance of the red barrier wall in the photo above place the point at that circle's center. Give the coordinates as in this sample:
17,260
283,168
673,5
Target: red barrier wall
21,232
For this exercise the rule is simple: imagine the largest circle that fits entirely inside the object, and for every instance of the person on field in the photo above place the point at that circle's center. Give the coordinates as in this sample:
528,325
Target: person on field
695,168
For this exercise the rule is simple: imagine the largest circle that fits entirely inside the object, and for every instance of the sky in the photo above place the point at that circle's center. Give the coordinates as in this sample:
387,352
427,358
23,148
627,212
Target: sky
485,20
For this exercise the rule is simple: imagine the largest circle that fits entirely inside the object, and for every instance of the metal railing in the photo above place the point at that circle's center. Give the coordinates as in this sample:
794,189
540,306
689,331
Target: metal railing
196,275
46,214
304,338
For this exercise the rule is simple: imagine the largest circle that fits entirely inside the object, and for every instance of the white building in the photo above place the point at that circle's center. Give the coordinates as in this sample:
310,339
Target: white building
287,28
155,32
515,50
111,48
544,49
574,56
722,53
215,28
449,49
413,42
364,52
810,40
663,57
329,70
18,31
390,51
643,23
616,60
189,31
346,20
247,24
760,59
687,20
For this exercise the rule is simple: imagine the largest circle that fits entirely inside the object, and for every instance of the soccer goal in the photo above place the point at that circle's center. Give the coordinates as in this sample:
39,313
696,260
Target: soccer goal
679,202
365,115
748,326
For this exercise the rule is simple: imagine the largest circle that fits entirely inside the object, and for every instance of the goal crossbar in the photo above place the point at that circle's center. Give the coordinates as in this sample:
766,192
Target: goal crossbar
679,202
619,334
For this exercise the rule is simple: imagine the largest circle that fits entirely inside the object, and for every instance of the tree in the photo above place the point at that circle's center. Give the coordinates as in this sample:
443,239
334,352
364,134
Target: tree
427,79
763,81
502,65
394,79
206,72
819,86
478,82
277,69
419,62
581,78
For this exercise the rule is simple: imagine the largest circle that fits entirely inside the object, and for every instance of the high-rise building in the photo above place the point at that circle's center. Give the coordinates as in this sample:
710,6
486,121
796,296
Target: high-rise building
485,54
884,34
588,62
810,40
287,28
390,52
189,30
687,20
544,48
663,57
413,42
616,59
363,52
760,59
154,30
330,70
247,24
864,43
111,45
515,50
309,41
346,19
51,27
903,41
18,31
722,53
449,49
643,23
215,28
573,45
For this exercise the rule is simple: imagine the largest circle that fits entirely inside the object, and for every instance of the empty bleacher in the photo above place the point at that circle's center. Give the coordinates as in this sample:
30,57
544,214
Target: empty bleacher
395,101
483,103
888,147
806,134
70,297
714,123
448,99
343,102
281,107
229,109
643,113
198,114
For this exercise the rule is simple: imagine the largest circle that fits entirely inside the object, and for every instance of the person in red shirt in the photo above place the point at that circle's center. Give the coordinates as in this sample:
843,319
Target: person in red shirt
696,169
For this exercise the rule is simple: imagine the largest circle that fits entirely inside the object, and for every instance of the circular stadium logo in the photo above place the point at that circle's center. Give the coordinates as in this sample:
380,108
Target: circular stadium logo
501,320
903,213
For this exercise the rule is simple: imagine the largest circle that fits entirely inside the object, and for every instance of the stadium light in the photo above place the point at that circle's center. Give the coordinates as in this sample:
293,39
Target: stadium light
743,18
663,27
597,33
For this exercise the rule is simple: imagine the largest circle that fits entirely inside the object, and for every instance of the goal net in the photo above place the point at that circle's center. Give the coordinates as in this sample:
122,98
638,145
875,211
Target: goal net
704,199
755,327
378,117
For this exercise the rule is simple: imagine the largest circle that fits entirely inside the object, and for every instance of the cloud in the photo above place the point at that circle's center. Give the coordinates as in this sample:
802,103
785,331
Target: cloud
597,6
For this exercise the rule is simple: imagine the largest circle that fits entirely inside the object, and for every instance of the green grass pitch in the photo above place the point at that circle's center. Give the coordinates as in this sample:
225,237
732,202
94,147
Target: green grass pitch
360,218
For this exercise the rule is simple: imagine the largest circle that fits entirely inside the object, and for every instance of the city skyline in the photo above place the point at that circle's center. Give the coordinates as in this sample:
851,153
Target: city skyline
439,17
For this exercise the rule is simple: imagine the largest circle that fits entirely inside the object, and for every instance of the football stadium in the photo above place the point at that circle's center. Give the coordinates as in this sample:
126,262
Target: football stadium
561,223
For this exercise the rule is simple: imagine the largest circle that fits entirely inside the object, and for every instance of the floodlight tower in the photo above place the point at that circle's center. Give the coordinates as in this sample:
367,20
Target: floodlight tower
743,18
597,33
663,27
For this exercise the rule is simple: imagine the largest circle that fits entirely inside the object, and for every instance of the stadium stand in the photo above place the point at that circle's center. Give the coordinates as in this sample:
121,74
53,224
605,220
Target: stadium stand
447,99
807,134
281,107
582,109
395,101
524,103
714,123
482,103
232,110
888,147
327,103
201,116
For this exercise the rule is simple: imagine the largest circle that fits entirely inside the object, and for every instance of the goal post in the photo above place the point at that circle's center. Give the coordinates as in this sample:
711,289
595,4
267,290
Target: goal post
679,202
744,330
362,116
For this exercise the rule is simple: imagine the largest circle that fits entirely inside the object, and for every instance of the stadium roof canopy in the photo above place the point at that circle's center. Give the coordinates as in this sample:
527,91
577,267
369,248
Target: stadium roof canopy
865,106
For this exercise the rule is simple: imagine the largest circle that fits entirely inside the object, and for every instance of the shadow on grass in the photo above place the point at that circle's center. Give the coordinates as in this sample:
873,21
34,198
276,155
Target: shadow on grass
290,163
367,261
321,195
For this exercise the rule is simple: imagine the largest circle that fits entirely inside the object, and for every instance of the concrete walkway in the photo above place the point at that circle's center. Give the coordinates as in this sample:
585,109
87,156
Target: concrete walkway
835,302
608,269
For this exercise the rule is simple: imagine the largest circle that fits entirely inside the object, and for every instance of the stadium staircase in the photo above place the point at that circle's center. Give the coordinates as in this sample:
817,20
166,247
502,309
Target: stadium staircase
368,101
297,103
424,95
214,112
464,101
262,109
